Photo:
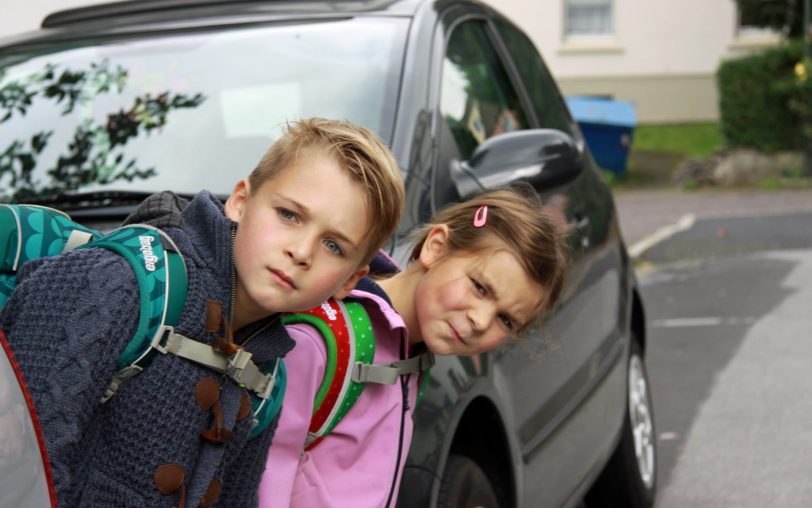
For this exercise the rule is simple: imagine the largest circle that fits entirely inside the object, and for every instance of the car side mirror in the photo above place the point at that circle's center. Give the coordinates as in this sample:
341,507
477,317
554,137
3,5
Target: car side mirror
544,158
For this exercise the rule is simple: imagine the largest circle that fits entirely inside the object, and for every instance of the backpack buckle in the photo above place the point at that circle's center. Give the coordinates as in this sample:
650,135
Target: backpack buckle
242,370
158,342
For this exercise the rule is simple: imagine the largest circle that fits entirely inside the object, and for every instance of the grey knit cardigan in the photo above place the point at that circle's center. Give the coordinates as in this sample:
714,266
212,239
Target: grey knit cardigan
68,321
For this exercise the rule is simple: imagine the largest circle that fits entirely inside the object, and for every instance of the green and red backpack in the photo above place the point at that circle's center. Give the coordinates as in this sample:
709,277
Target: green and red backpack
347,332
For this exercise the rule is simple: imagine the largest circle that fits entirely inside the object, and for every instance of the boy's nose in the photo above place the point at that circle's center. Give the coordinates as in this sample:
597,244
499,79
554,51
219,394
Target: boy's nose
300,253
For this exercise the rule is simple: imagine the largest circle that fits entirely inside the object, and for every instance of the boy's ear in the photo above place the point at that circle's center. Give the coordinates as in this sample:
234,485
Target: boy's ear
235,204
348,286
435,246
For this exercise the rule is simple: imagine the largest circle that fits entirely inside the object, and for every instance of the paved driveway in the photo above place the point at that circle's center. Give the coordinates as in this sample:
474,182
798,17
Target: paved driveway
727,290
644,213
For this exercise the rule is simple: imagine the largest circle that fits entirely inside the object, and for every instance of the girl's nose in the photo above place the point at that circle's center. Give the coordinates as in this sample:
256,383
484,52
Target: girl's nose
480,315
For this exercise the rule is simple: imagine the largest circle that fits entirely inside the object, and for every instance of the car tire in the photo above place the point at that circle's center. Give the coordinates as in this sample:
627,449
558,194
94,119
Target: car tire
465,485
630,477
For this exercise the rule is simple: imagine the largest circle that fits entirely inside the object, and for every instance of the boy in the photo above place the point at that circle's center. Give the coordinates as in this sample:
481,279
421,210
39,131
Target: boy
302,227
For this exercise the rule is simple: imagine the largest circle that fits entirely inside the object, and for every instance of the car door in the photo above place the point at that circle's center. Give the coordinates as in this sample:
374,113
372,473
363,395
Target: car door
550,373
577,376
481,97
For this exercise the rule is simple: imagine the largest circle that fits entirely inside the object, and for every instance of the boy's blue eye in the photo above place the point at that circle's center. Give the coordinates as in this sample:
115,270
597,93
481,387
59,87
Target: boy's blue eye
334,247
286,214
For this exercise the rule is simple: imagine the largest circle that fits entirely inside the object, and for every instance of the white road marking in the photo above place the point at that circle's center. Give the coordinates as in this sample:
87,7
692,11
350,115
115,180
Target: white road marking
702,321
685,322
685,222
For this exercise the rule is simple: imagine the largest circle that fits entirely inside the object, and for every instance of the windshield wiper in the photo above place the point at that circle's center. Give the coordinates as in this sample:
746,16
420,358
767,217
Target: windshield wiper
94,199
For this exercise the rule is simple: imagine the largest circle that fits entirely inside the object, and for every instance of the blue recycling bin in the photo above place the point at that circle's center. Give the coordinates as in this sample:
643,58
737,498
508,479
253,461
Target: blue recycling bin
608,126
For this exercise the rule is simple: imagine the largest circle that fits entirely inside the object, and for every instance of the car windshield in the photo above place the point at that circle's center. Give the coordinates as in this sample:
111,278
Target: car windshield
185,111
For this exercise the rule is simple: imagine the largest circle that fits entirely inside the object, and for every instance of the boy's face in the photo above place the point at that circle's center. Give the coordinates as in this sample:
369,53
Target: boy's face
301,238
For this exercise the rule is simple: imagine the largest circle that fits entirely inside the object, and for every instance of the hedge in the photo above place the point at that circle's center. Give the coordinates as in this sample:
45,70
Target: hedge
759,97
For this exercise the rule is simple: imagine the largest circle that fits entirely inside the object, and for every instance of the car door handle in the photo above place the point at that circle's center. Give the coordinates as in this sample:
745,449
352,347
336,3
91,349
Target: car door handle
581,224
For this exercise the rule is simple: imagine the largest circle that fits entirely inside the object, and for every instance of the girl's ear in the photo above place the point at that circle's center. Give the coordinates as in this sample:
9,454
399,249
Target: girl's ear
235,204
435,246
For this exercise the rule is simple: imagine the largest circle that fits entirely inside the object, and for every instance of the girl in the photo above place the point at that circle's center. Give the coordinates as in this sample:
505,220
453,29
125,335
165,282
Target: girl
481,271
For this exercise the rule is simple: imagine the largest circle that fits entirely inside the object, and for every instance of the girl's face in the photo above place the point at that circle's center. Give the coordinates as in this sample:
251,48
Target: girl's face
470,302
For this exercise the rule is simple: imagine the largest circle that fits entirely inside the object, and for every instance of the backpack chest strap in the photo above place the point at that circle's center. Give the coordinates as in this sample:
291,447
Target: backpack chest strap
388,373
238,366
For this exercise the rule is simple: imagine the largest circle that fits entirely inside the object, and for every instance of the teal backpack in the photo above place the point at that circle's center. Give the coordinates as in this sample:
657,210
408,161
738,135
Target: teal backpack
29,232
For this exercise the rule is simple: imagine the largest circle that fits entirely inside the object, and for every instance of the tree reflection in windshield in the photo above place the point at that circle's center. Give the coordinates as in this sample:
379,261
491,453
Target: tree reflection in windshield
94,153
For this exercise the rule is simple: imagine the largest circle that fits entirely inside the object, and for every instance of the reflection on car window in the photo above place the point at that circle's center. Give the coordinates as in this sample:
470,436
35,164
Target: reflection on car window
478,100
186,111
546,101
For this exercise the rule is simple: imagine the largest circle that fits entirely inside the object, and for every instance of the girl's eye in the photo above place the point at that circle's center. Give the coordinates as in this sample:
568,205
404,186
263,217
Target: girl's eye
479,287
506,321
286,214
333,247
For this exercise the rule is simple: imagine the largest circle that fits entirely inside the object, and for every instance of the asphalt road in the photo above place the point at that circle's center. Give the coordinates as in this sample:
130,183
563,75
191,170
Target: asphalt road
728,298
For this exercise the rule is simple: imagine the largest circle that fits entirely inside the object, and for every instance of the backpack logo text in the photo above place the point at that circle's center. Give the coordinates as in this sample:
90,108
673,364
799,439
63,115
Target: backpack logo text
331,312
146,249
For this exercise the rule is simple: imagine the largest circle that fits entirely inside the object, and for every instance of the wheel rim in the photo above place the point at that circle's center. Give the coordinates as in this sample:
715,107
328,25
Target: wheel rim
642,426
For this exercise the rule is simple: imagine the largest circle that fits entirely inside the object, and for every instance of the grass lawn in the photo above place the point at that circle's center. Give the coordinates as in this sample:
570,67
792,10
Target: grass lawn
658,150
688,140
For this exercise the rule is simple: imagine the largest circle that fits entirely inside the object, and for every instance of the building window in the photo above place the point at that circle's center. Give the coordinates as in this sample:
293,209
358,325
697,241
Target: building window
587,17
744,29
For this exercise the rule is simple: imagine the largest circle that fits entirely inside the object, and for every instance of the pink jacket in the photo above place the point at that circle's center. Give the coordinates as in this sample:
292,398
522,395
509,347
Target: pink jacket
358,462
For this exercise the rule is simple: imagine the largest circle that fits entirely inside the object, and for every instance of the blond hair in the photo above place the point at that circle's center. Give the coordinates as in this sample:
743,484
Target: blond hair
515,216
356,150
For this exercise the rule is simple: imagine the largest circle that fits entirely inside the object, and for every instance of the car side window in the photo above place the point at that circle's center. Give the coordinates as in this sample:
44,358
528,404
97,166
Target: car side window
544,95
478,99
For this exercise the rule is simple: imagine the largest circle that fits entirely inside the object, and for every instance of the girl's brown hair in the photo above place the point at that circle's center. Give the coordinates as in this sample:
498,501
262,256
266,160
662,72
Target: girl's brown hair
516,217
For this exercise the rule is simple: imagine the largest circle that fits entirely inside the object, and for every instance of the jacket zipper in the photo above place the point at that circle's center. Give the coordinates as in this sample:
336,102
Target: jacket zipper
404,388
232,304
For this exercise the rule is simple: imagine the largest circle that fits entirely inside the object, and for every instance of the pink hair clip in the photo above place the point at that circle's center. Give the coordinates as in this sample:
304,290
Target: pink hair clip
481,216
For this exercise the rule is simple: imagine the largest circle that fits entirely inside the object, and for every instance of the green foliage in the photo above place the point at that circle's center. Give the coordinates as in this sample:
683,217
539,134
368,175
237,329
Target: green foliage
691,185
609,177
689,139
758,98
770,184
782,15
93,154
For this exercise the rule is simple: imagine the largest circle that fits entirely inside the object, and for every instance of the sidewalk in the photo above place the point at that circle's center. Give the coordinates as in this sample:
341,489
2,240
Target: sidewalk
643,213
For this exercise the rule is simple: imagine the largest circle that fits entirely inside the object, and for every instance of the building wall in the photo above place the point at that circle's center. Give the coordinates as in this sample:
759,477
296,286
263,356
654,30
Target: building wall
663,55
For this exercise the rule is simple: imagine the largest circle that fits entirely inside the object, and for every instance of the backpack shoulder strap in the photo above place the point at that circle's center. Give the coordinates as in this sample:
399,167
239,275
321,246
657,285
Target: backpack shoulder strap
160,272
347,332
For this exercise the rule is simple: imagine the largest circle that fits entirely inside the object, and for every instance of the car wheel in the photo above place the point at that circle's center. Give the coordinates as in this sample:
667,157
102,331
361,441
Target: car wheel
630,477
465,485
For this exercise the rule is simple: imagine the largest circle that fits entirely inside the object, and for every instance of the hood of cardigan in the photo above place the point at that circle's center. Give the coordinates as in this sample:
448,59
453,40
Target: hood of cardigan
204,235
205,228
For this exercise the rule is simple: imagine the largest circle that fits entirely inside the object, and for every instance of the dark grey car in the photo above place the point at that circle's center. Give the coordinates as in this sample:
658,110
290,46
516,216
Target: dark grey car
109,103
